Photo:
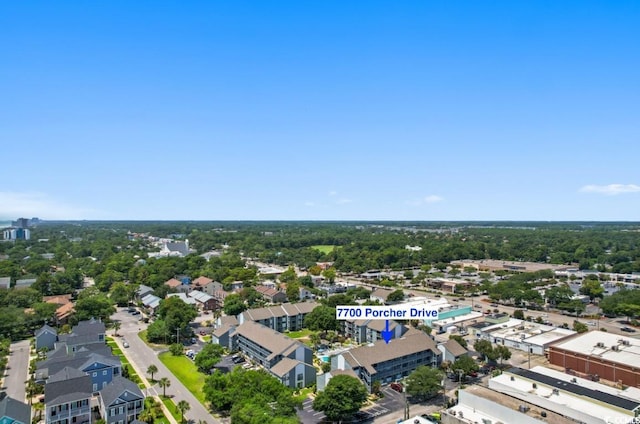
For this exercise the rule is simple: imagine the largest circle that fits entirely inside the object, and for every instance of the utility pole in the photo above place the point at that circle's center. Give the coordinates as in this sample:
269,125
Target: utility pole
406,403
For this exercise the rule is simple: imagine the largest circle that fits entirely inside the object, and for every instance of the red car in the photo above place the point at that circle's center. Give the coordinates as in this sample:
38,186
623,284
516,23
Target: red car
396,386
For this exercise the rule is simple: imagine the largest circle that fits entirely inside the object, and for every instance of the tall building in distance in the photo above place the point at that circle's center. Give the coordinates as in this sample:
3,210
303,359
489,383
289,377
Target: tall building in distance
13,233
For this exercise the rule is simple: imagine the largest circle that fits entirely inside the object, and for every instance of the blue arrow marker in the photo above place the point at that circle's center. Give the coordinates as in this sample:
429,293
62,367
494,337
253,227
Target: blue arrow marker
386,334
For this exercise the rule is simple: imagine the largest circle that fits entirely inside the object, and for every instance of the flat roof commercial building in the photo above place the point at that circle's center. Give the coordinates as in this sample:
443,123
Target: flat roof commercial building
572,398
524,335
596,353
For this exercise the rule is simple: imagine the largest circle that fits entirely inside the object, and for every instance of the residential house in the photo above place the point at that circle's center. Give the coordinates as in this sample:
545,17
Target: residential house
63,313
121,402
306,294
212,287
271,295
172,248
284,317
5,283
204,301
67,397
46,337
452,350
380,295
84,333
386,363
24,283
13,411
178,285
269,348
94,360
143,291
201,282
182,296
151,302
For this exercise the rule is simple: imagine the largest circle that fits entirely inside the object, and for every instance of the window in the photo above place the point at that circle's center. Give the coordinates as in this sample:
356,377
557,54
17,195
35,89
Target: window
95,374
104,372
95,387
112,412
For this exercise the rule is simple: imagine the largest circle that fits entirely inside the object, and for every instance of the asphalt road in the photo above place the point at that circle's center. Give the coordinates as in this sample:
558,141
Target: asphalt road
17,373
142,356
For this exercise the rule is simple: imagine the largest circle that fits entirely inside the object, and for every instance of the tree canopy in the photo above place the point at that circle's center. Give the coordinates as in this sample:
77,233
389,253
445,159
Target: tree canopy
342,397
424,382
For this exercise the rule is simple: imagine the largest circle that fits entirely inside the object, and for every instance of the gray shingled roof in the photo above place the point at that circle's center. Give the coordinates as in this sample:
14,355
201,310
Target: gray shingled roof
116,389
91,327
60,391
455,348
12,408
45,328
368,356
271,340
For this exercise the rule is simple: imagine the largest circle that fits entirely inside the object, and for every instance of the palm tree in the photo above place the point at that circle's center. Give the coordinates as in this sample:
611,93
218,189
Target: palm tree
116,326
148,415
152,370
164,383
183,406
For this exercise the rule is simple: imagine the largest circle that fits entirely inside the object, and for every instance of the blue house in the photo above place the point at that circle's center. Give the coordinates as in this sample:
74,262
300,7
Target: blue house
46,337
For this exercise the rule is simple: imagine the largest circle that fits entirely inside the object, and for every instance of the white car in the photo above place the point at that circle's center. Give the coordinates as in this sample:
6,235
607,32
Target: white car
125,344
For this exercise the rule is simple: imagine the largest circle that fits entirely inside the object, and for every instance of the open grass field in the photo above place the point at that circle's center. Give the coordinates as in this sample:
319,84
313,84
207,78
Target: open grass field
325,248
186,371
299,334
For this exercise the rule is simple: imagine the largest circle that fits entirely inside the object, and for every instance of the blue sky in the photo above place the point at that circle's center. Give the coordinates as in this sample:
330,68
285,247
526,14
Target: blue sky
330,110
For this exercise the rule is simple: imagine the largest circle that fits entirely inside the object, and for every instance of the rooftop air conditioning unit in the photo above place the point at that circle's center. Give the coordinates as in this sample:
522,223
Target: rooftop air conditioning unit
615,348
600,344
574,380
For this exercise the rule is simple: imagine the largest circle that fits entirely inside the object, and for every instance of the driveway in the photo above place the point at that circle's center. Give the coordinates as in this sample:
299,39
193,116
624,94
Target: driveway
18,370
141,356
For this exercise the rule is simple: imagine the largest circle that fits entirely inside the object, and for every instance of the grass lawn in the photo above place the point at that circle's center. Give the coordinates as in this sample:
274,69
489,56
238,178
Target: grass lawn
299,334
185,370
171,407
133,376
206,338
325,248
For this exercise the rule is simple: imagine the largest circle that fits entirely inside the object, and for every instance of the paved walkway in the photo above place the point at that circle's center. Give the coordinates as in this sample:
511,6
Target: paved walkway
17,373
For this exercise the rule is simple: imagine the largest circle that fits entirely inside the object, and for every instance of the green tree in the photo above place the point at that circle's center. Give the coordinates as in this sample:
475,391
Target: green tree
330,274
120,293
164,382
580,327
628,310
183,406
176,314
208,357
396,296
466,364
176,349
503,352
315,270
289,276
592,288
93,304
157,332
293,291
116,326
234,305
458,338
322,318
152,369
518,314
342,397
424,382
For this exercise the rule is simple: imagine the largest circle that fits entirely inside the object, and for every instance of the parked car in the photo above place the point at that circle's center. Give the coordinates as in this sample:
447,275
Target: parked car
628,329
396,386
125,344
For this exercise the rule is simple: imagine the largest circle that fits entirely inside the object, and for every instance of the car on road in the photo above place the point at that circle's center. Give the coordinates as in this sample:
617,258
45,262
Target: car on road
396,386
591,323
125,344
628,329
494,305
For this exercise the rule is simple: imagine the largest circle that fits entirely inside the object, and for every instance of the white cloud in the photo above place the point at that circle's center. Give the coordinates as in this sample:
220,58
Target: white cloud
611,189
433,199
309,204
333,193
14,205
343,201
